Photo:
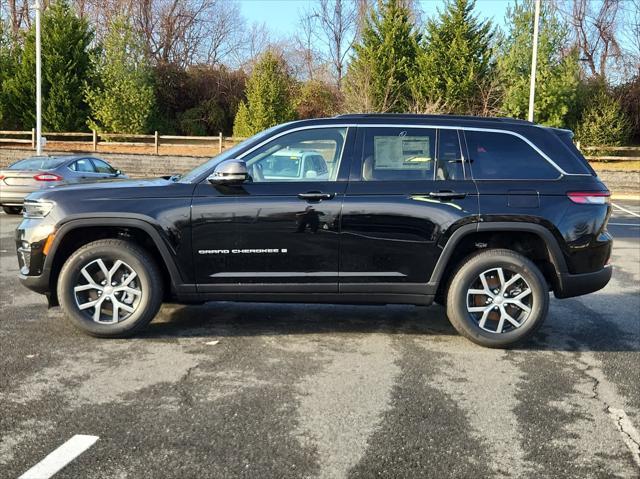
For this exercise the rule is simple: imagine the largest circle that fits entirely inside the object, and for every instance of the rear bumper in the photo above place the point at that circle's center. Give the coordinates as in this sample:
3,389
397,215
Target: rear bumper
11,196
571,285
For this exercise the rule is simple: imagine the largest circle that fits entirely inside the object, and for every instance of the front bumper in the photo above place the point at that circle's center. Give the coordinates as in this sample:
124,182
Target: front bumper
34,266
570,285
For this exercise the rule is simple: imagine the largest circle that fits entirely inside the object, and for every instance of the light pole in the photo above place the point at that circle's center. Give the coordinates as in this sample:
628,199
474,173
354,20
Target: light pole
534,60
38,7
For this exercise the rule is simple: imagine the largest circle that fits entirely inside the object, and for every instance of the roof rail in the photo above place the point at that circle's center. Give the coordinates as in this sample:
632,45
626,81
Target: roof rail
433,117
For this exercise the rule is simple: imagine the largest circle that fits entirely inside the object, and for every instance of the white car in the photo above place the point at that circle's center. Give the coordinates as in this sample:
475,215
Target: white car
291,165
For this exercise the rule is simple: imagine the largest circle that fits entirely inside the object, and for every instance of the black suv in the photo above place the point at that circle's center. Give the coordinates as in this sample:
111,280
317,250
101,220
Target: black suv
483,215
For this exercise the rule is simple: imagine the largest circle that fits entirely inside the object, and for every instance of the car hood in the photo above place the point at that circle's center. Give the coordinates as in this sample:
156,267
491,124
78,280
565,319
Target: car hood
114,189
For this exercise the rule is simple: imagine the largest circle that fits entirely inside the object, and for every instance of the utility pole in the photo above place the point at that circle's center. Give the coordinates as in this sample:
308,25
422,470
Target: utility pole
38,7
534,60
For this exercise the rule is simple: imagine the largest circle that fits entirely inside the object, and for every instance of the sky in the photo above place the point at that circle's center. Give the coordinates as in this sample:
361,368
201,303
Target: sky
281,16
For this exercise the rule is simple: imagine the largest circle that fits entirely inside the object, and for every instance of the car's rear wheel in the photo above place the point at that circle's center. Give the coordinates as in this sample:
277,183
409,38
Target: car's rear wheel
497,298
110,288
12,210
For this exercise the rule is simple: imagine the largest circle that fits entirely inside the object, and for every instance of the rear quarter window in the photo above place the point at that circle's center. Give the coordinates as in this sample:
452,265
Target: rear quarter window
501,156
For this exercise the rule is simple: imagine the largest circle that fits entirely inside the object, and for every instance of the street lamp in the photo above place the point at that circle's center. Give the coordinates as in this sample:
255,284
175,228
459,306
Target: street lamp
534,60
38,8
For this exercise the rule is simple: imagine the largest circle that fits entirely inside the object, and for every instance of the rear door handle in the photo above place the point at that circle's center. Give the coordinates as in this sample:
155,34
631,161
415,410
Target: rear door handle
447,195
316,196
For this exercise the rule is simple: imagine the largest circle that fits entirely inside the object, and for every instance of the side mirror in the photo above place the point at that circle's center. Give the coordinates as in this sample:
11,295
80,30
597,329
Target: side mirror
118,173
229,172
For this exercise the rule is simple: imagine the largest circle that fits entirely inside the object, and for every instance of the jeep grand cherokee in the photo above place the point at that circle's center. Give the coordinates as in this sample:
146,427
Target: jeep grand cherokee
483,215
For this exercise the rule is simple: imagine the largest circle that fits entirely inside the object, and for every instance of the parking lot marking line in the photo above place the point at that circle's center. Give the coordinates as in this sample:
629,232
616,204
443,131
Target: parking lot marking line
626,210
629,433
60,457
624,224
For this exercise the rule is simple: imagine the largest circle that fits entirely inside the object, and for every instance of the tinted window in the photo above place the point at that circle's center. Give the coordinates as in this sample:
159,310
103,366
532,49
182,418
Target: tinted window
36,163
496,156
398,154
291,156
450,166
103,167
83,165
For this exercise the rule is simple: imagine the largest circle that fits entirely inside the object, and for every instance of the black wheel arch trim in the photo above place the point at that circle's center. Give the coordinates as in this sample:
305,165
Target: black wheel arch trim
555,253
134,221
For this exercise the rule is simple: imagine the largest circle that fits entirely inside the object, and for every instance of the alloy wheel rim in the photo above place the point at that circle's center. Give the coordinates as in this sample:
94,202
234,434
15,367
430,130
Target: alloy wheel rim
107,292
499,300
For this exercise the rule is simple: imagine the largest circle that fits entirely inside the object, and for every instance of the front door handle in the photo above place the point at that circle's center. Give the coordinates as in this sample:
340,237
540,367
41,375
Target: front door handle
448,195
316,196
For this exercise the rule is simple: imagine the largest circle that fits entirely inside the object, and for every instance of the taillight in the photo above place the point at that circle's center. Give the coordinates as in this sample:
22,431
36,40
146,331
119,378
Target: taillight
47,177
590,197
2,177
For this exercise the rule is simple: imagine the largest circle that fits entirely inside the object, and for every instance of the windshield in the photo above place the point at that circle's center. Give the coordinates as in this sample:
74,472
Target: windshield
37,163
226,155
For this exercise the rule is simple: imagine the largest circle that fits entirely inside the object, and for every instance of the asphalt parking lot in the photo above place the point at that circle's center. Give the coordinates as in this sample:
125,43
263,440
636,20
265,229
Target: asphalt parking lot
261,391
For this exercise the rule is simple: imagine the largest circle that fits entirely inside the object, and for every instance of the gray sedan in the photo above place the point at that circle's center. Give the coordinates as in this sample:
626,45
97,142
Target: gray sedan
40,172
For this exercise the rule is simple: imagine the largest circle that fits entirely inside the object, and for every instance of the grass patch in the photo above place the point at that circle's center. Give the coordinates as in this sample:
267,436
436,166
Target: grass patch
633,165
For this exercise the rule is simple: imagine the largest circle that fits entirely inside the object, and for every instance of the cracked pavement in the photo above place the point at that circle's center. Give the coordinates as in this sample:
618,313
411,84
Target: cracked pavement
326,391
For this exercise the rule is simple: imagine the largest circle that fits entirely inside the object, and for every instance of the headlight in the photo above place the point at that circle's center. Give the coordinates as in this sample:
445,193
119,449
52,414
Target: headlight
37,209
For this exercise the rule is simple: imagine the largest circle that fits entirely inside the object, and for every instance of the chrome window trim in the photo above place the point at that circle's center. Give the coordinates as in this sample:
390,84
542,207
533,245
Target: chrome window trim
406,125
470,128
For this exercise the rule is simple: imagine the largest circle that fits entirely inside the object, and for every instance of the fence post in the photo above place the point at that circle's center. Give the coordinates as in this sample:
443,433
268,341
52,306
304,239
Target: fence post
33,138
95,140
156,142
220,140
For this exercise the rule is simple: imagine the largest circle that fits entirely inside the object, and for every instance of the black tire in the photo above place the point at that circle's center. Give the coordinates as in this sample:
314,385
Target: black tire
148,280
12,210
462,291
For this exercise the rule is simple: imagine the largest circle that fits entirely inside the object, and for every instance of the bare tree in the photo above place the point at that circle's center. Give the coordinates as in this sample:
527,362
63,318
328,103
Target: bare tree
631,27
304,43
337,23
255,41
595,26
18,14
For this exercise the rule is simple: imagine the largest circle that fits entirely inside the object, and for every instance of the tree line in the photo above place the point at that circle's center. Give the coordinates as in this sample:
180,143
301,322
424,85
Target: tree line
198,67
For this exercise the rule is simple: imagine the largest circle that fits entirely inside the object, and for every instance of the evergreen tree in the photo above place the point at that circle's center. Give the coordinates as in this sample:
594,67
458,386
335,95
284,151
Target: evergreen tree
557,74
456,60
122,97
269,99
603,122
384,61
316,99
7,62
65,67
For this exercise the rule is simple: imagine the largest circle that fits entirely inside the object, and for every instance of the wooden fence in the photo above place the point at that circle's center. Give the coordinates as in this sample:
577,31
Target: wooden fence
610,153
598,153
96,139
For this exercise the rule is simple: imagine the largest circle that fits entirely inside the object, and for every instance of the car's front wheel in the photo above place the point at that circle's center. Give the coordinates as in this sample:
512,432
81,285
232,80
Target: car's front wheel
110,288
12,210
497,298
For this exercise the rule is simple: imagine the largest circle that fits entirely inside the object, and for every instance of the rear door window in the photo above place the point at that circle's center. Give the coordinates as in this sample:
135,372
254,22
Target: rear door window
83,165
398,154
502,156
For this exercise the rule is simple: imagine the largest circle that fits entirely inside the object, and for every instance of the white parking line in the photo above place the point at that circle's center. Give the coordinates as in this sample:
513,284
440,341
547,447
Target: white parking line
60,457
626,210
624,224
